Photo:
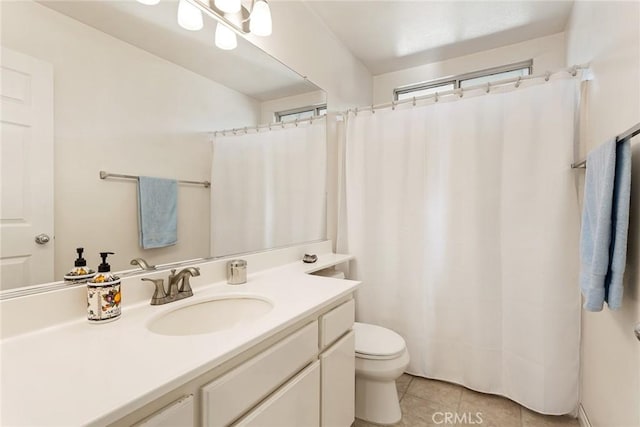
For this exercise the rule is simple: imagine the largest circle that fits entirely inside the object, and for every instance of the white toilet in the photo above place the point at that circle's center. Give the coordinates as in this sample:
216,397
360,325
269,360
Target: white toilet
381,357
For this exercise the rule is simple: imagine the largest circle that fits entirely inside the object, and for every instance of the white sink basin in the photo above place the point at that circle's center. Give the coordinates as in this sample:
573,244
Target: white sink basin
212,315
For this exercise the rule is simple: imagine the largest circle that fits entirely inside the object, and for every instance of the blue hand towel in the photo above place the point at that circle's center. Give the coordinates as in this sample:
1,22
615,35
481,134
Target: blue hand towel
595,236
619,226
157,216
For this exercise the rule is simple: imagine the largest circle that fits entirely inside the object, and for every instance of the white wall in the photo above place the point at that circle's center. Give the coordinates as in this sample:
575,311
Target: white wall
607,35
548,53
120,109
303,42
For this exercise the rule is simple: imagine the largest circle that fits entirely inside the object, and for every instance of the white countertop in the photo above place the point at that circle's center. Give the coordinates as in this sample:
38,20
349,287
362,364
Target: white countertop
86,374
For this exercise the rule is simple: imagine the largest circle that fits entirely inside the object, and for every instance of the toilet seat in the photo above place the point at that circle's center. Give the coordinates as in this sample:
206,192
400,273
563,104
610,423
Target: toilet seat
377,343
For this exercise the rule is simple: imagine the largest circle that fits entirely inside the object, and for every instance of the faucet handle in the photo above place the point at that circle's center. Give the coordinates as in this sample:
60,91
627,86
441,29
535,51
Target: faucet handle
159,294
140,262
185,286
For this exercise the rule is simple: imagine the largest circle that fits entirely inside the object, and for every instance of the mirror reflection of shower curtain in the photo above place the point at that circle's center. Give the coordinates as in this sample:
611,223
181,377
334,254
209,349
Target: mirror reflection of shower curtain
464,220
268,189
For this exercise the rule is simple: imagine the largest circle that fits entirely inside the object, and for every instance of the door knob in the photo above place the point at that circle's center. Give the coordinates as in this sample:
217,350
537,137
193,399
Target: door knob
42,239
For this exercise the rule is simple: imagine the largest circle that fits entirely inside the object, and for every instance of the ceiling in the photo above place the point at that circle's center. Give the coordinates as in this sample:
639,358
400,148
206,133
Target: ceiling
246,69
393,35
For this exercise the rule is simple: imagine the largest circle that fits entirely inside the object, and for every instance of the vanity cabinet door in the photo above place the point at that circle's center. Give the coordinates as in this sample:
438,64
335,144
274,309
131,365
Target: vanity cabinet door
177,414
338,383
296,404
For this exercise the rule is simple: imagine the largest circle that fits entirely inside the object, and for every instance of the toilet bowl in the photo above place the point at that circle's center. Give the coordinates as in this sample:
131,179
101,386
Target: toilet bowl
381,357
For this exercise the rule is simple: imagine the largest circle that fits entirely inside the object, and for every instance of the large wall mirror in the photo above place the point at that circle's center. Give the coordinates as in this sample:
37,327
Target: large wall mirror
120,87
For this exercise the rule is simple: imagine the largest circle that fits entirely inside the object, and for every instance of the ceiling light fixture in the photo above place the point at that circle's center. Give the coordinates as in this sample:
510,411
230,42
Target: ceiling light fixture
233,16
189,16
260,22
228,6
225,37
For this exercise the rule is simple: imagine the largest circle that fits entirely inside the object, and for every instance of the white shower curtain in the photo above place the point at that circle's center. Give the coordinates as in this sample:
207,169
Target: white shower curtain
268,188
464,221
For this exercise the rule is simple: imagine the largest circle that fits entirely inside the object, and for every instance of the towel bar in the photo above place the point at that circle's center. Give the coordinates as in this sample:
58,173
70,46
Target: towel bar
105,175
628,134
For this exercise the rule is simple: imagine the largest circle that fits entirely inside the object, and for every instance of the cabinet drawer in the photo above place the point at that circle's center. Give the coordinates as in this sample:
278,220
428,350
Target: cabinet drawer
231,395
336,322
295,404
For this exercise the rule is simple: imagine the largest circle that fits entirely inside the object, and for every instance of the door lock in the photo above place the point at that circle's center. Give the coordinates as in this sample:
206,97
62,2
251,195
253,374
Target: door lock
42,239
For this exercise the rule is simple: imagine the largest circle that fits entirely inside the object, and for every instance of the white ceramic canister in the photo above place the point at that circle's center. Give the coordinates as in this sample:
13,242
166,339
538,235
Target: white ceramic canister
103,300
103,294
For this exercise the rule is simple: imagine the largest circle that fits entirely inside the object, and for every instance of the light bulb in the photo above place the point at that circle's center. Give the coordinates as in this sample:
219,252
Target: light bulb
260,23
225,38
149,2
228,6
189,16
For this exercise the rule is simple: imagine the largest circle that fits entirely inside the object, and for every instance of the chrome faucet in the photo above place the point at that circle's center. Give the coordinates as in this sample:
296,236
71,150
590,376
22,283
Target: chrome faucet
182,278
142,264
179,286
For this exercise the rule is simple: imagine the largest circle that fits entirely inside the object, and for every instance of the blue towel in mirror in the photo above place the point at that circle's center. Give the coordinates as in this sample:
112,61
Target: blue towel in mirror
157,212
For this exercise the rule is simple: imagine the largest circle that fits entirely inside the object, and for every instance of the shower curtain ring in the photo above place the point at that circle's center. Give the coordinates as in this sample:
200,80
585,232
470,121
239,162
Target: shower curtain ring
436,97
461,93
246,131
393,105
356,111
488,87
414,101
518,81
574,71
373,110
546,76
282,124
296,122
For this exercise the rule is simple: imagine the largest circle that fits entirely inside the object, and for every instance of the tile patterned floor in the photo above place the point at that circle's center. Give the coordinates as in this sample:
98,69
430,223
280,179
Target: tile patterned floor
422,402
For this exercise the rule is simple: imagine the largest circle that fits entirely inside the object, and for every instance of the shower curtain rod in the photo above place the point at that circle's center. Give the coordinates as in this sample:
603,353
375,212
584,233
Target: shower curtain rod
573,71
270,126
628,134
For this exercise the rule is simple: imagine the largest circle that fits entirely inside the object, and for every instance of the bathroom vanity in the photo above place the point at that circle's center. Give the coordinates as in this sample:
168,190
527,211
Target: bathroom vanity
291,364
303,379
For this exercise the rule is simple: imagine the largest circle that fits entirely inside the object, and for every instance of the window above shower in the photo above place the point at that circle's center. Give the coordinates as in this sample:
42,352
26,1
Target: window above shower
463,81
301,113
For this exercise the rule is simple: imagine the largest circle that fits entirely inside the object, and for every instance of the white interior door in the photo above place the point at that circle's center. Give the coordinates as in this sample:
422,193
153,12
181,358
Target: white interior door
26,174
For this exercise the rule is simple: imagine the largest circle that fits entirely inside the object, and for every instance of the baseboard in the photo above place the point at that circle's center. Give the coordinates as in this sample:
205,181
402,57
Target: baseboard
582,417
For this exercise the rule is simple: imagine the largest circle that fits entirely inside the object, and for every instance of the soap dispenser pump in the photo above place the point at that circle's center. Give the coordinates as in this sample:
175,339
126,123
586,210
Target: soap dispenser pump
80,273
103,294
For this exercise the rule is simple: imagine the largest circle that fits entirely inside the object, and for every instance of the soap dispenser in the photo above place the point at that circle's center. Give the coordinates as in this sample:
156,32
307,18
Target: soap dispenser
103,294
80,273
